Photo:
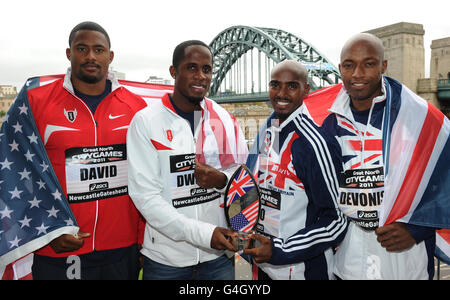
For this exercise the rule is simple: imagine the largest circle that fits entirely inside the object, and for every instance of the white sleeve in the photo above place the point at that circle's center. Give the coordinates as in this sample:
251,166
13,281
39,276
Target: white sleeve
146,185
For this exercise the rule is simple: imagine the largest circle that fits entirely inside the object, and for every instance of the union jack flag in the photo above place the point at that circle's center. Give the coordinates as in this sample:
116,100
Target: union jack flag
420,192
372,145
276,167
241,184
245,220
443,245
418,177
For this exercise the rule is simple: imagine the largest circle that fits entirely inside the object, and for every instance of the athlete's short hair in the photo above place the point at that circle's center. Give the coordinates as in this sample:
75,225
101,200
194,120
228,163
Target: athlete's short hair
178,53
88,25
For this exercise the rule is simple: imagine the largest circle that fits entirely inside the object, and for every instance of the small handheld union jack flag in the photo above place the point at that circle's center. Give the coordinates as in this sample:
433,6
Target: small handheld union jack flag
242,182
242,201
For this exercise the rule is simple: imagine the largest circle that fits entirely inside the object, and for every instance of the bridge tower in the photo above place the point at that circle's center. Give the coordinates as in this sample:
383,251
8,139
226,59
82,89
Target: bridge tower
440,59
404,50
440,72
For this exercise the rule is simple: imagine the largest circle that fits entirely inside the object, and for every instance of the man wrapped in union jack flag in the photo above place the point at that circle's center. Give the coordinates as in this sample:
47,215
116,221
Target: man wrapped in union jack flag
395,167
296,169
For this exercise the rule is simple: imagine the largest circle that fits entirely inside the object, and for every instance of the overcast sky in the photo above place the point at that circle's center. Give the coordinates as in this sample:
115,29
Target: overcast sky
34,34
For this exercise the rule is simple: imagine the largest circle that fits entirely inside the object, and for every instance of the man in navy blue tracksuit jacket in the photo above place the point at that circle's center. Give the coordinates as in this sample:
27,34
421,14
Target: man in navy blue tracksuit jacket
296,169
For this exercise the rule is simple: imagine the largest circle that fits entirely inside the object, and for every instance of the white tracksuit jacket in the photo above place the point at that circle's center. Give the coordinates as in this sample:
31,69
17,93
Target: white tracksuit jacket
180,216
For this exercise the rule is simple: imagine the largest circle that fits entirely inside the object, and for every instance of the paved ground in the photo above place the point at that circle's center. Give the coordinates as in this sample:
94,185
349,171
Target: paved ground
243,268
444,273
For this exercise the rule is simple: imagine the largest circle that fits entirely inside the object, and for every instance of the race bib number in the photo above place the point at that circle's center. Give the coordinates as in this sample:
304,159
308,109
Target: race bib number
361,193
269,221
185,191
96,173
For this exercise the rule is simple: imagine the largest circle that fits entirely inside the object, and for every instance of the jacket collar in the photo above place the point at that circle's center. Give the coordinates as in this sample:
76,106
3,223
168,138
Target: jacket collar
341,105
274,121
67,84
168,104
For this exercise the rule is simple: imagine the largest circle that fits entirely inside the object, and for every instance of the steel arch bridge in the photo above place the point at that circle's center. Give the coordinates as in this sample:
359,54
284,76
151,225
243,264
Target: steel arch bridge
230,46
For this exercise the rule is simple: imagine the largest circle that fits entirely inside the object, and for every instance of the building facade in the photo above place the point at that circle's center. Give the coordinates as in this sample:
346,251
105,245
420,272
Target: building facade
404,50
7,95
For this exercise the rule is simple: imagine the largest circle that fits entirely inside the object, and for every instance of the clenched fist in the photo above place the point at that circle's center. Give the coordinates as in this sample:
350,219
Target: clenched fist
208,177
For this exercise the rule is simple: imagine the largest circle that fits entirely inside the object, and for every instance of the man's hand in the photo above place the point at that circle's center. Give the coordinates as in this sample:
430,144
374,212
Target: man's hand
208,177
395,237
68,242
263,253
221,237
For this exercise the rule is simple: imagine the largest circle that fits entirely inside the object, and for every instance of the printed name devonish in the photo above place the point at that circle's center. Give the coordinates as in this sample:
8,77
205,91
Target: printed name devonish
361,199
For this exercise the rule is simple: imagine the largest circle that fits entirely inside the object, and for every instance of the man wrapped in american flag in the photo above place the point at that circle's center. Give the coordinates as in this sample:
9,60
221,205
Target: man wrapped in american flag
64,164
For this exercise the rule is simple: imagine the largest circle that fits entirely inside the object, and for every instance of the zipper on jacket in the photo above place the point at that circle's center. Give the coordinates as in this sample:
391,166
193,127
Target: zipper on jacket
197,131
269,150
96,202
95,144
196,206
275,133
364,134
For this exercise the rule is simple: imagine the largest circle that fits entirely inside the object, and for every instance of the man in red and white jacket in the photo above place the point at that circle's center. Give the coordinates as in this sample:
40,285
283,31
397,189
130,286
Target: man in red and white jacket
83,121
179,150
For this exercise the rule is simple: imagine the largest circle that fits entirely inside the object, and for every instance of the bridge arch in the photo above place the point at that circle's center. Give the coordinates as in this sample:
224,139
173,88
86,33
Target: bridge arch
232,43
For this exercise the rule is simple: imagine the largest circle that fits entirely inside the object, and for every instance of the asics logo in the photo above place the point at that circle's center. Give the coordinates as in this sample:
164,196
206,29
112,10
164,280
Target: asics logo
111,117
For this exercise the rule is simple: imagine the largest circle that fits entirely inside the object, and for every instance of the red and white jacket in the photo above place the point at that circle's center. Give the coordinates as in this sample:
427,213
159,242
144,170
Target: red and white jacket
180,215
88,154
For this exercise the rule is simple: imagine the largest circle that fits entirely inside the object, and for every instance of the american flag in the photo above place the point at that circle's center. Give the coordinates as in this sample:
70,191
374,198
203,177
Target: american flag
241,184
246,219
33,207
